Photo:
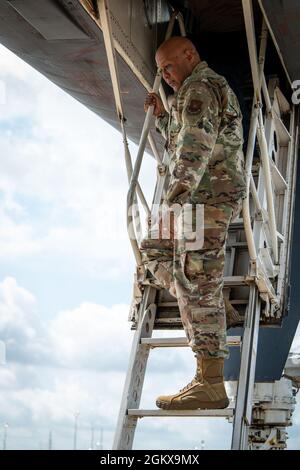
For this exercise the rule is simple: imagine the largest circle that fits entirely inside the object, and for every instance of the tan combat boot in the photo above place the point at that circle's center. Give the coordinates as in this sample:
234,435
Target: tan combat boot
205,391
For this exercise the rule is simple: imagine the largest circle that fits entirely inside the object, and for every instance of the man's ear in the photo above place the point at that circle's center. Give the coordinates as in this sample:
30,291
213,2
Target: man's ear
189,54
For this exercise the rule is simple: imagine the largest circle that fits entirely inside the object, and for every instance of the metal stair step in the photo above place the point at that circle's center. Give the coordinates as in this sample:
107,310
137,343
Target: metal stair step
283,104
280,185
175,304
238,280
226,413
236,245
282,132
181,342
231,281
238,223
280,236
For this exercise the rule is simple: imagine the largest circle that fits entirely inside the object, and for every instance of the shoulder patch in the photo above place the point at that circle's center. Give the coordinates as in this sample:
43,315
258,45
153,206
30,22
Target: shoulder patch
194,106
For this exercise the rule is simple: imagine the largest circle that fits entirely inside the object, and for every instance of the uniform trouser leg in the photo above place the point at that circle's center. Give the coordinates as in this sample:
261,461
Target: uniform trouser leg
199,281
160,262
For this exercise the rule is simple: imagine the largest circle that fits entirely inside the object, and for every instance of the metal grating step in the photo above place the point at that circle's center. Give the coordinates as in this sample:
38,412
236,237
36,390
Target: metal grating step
174,304
181,342
226,413
232,281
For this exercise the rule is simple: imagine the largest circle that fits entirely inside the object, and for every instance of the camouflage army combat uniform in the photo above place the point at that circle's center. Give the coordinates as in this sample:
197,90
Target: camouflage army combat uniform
204,137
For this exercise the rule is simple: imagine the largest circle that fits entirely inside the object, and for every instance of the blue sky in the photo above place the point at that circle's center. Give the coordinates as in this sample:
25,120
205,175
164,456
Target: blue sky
66,276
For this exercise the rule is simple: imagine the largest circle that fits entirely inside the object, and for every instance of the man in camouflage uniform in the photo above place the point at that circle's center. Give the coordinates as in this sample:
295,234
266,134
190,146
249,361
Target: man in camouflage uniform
204,138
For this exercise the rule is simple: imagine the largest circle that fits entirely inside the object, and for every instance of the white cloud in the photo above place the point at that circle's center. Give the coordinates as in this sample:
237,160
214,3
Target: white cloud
16,239
10,65
63,189
63,159
18,308
77,339
55,368
90,348
81,367
19,80
21,328
92,336
7,378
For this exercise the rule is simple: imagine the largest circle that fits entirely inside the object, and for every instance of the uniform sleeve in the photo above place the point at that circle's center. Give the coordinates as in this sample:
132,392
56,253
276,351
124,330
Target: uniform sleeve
195,143
161,124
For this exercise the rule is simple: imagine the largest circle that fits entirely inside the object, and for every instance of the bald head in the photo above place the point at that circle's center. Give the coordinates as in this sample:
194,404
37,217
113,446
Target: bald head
175,45
177,57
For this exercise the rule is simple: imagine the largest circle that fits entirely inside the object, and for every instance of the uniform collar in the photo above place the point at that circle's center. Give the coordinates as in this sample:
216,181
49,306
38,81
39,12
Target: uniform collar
197,71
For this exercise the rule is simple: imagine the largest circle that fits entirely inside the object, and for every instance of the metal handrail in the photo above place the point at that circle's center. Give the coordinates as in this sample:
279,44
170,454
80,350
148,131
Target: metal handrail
133,219
268,183
248,172
257,129
103,8
154,148
250,149
140,154
129,169
164,98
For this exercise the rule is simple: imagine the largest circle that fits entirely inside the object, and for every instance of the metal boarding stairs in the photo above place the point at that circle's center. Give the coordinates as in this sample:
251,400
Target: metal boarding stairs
257,251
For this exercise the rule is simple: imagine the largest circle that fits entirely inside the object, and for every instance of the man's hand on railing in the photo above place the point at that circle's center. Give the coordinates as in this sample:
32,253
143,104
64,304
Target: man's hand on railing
153,99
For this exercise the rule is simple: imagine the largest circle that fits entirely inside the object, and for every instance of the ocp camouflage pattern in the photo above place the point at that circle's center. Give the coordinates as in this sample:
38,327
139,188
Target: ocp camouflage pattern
204,137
